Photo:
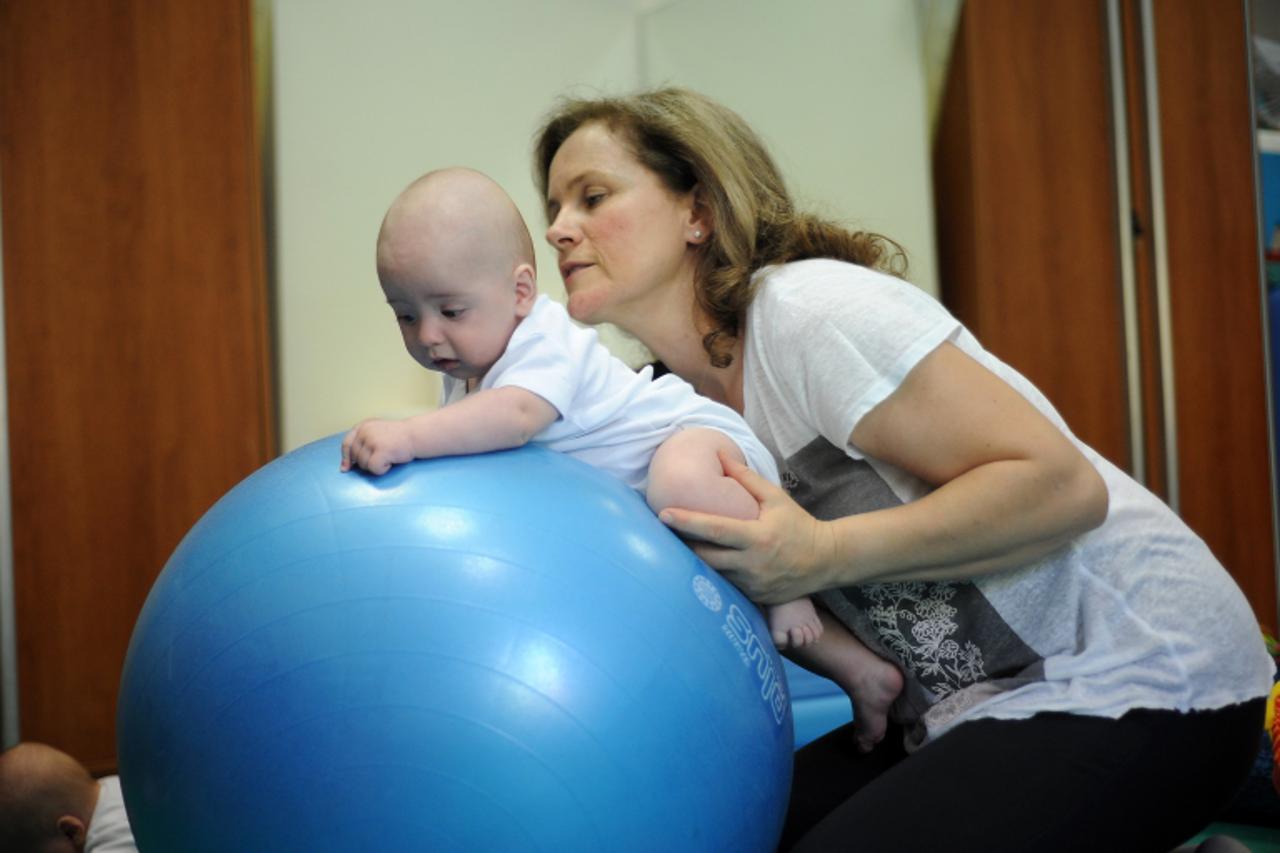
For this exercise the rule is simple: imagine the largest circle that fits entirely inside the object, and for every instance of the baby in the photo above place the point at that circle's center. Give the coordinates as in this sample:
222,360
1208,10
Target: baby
49,802
456,264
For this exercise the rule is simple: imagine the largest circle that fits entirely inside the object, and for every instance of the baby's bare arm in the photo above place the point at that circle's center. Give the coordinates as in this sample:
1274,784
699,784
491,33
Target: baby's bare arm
493,419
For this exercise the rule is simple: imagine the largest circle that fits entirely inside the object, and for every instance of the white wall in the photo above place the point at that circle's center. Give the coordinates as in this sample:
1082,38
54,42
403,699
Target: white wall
837,90
368,96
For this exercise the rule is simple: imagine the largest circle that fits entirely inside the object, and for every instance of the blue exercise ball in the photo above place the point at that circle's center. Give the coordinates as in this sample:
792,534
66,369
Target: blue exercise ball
496,652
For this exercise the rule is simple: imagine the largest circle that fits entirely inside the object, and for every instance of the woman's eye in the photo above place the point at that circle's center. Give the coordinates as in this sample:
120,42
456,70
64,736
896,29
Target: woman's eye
593,198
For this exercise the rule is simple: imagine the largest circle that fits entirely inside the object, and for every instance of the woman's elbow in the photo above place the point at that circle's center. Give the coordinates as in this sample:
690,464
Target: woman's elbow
1087,495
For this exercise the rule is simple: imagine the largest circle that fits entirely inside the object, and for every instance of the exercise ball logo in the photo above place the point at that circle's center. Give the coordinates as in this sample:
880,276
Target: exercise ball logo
707,594
754,653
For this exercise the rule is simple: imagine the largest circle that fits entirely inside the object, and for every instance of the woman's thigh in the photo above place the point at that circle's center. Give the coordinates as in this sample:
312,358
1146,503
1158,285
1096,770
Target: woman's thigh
1054,782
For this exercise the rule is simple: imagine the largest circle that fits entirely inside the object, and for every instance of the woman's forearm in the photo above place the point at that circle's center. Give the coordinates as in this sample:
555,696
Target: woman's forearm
998,516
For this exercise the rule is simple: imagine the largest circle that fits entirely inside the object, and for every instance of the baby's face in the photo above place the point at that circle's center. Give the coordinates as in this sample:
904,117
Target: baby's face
453,318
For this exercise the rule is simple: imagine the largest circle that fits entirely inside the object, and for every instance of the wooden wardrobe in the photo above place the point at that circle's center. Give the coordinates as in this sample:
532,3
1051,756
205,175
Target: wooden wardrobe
138,362
1098,229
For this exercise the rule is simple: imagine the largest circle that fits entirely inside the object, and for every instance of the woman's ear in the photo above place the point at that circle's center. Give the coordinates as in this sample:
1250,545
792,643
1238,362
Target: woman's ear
526,284
701,222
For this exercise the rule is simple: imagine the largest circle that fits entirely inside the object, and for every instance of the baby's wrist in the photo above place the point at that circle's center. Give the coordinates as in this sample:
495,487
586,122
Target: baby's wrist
418,436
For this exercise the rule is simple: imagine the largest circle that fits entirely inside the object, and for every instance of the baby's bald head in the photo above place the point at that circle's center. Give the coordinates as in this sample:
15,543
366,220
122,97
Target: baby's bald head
39,785
455,262
456,219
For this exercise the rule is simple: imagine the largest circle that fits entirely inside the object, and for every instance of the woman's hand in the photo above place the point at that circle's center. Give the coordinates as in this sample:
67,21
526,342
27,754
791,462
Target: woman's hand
780,556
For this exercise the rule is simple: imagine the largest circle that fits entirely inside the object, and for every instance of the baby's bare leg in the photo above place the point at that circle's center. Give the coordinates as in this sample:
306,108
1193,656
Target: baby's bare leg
686,473
871,682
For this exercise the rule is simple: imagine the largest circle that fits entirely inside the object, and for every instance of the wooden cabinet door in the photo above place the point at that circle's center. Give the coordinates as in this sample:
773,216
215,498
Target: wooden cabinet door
1215,288
1031,248
136,326
1026,205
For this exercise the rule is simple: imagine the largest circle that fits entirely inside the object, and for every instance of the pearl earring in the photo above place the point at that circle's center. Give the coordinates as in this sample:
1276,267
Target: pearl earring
697,235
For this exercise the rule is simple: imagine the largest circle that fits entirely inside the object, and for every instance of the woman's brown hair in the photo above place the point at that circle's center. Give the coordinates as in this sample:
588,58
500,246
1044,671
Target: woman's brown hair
693,143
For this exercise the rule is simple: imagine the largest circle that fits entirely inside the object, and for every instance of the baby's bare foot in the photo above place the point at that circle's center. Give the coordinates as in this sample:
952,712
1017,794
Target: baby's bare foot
794,625
797,637
877,684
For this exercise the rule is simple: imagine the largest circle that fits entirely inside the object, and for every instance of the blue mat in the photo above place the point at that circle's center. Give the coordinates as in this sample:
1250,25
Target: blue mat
818,705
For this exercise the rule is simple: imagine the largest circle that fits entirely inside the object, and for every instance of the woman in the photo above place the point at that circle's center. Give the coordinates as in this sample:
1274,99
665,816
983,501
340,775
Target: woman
1080,672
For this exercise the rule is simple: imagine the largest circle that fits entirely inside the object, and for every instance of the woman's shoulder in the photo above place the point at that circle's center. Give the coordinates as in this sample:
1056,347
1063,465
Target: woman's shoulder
817,283
826,290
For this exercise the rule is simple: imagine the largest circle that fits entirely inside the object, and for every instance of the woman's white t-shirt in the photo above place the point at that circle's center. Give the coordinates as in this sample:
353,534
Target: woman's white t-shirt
1134,614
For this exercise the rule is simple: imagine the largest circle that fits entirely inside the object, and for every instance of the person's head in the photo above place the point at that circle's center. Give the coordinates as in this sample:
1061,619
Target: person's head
456,264
725,189
46,800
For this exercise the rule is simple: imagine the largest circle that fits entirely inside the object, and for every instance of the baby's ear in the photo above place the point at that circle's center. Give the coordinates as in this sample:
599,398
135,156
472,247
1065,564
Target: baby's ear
526,284
73,829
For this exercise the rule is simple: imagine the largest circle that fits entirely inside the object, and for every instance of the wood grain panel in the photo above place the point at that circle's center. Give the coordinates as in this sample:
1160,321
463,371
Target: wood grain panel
135,322
1026,205
1215,287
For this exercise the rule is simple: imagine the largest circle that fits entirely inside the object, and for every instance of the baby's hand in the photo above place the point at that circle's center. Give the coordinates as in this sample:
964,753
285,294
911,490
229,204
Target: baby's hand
375,445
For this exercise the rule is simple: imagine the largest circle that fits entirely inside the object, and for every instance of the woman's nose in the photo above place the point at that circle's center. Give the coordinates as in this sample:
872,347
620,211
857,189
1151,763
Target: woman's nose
559,232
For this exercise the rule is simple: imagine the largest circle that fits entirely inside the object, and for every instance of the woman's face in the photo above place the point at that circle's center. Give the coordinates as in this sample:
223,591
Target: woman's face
622,237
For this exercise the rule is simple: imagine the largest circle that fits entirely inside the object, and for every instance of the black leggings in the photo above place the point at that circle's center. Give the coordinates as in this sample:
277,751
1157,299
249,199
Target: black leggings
1147,781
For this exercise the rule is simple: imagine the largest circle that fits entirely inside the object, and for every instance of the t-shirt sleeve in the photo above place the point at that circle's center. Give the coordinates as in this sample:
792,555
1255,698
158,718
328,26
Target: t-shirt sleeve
843,340
109,830
541,363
